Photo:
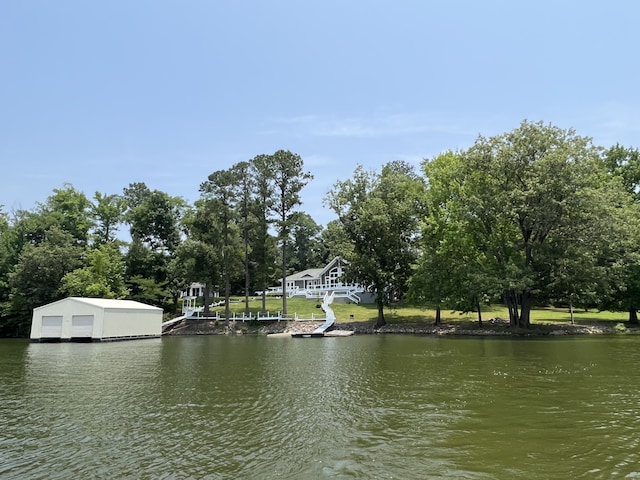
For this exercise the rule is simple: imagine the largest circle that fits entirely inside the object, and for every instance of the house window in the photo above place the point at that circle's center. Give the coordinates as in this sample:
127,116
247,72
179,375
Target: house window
333,279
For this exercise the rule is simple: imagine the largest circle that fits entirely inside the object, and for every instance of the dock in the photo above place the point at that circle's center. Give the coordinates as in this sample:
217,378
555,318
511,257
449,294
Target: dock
324,330
313,334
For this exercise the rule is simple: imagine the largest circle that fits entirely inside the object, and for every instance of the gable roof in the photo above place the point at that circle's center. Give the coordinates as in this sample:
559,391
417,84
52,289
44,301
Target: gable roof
308,274
113,303
330,265
315,273
107,303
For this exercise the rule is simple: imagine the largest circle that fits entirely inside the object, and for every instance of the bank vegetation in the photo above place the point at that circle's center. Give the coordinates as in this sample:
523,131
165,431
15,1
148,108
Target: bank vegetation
535,217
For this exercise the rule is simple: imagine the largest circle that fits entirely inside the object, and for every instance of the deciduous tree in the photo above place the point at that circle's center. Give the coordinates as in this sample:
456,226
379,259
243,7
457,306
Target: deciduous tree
69,210
154,219
108,213
380,216
37,277
102,276
524,195
306,245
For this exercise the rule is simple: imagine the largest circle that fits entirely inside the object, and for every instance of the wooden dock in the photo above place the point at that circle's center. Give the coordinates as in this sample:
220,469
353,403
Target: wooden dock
307,335
330,333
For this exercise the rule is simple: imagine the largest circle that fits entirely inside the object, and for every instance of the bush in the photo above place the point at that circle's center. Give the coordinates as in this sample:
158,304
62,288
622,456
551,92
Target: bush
621,328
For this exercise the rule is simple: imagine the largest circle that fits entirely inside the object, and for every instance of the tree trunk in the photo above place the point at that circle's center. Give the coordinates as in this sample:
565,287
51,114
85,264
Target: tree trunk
262,268
438,315
525,310
571,312
227,296
519,306
633,315
206,300
479,314
246,276
381,321
512,306
284,279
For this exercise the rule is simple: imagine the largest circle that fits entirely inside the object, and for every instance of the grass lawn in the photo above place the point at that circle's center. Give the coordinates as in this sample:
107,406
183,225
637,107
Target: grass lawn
349,312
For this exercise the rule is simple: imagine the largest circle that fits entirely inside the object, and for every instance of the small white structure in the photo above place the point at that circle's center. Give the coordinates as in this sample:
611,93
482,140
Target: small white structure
95,319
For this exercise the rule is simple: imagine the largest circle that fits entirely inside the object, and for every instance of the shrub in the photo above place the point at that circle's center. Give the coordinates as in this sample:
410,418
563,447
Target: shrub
620,328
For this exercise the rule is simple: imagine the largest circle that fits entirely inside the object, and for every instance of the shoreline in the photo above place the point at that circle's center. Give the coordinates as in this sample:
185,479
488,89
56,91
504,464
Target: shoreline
492,327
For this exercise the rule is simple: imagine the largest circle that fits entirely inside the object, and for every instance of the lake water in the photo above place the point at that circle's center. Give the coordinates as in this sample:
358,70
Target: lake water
370,407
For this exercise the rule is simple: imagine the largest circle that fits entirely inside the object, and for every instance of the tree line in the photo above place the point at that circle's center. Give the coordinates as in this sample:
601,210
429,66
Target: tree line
535,216
244,226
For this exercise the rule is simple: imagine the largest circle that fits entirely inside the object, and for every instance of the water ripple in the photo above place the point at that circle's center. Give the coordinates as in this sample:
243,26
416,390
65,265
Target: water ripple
361,407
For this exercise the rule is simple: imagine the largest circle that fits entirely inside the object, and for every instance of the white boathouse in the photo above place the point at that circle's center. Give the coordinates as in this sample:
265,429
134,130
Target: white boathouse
95,319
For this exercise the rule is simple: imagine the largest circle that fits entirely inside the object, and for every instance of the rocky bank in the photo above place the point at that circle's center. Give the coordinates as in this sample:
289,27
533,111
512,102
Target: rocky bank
492,327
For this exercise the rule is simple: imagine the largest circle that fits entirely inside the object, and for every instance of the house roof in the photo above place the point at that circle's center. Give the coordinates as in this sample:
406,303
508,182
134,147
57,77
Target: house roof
333,262
315,273
107,303
309,274
113,303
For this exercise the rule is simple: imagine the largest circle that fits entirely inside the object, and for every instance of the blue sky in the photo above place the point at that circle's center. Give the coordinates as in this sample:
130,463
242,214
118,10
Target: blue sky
100,94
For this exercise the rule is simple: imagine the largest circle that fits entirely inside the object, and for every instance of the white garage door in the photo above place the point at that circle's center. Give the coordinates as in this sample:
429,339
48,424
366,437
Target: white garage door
51,326
81,326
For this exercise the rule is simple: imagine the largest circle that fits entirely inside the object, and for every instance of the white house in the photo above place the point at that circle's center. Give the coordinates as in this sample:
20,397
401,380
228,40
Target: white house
328,276
191,295
95,319
313,283
197,289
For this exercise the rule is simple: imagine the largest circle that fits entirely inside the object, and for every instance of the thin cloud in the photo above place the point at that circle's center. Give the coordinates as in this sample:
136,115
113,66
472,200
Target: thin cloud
620,120
375,125
611,123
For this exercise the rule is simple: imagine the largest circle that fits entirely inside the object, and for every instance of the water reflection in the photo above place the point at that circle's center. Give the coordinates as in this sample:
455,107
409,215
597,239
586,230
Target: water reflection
357,407
83,406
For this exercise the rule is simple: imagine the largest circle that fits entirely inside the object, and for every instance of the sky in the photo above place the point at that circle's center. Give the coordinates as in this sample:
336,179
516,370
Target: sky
101,94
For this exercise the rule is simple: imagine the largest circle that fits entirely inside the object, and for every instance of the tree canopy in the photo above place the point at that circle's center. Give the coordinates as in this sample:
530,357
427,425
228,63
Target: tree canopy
538,215
379,213
518,203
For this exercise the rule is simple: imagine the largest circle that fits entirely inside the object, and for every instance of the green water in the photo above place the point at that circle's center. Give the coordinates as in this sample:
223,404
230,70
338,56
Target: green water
370,407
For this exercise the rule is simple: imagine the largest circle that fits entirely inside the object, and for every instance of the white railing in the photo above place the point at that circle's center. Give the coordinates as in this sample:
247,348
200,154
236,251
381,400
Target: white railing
333,286
189,307
343,291
242,317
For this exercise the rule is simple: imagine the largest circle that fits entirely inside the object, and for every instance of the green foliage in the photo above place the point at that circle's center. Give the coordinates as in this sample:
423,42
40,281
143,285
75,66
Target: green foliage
513,205
537,215
625,163
621,328
150,291
37,277
108,212
221,193
288,178
451,271
196,261
335,242
379,214
306,248
264,251
148,269
246,221
154,217
69,210
103,275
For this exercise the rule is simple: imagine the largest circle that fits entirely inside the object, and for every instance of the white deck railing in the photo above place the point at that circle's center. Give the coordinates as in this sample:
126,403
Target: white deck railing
242,317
